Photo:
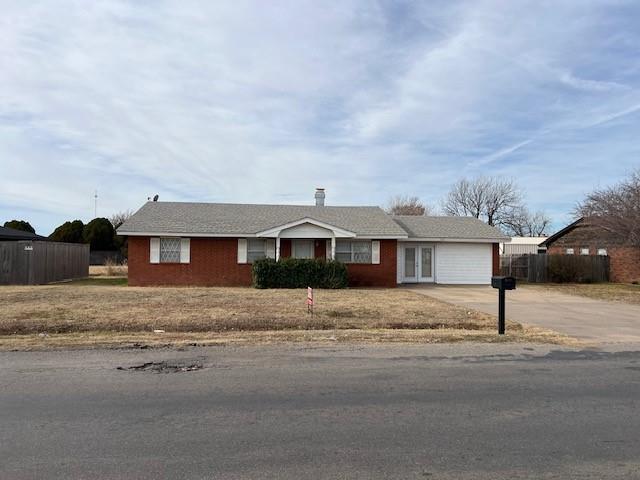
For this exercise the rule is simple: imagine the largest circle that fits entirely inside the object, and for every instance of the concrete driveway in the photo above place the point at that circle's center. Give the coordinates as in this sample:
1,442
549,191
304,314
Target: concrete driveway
580,317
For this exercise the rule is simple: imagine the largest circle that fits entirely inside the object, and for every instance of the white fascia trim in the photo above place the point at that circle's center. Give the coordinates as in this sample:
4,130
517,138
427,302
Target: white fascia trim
248,235
453,240
381,237
186,234
274,232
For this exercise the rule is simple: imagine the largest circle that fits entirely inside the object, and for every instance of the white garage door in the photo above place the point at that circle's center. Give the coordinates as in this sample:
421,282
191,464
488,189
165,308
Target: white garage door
464,263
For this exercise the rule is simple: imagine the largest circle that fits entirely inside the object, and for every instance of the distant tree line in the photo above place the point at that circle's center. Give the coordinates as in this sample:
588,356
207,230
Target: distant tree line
497,202
99,233
20,225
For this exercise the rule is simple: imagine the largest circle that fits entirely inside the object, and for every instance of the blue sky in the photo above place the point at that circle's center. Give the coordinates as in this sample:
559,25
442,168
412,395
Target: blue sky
244,102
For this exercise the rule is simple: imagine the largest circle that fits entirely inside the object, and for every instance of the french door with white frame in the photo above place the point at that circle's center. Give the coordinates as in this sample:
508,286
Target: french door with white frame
417,263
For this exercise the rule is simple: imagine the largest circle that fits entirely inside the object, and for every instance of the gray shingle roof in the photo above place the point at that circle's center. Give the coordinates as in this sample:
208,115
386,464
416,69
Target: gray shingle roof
7,233
247,219
231,219
448,227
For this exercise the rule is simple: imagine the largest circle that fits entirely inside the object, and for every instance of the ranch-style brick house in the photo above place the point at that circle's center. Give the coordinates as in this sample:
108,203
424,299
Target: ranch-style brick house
214,244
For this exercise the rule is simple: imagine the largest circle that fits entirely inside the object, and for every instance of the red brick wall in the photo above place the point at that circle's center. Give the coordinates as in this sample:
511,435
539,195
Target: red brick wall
496,259
625,264
214,262
380,275
624,260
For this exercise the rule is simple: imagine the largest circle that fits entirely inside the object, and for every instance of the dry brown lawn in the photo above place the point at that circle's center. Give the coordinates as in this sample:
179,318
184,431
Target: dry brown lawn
111,270
613,292
151,340
106,308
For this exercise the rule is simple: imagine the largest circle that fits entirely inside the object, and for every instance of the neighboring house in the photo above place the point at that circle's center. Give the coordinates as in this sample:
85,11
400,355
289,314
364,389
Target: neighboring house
523,246
172,243
582,237
11,234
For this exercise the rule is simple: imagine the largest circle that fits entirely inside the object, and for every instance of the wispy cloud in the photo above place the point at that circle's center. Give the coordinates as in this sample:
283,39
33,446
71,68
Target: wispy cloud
500,153
608,117
246,102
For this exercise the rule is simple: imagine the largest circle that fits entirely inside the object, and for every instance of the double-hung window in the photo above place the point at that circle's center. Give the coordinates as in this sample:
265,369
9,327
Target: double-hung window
169,250
353,251
252,249
256,249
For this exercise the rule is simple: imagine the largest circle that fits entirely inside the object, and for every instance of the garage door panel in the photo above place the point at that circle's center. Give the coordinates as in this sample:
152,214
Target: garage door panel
464,263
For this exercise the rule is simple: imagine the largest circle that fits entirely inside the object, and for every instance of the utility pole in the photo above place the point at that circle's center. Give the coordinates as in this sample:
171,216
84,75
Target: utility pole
95,204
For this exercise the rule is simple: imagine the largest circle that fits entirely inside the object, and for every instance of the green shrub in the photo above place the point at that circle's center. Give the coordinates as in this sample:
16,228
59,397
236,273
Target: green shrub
299,273
577,268
563,269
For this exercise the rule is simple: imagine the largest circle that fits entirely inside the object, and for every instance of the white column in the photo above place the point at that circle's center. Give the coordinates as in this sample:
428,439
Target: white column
333,248
277,248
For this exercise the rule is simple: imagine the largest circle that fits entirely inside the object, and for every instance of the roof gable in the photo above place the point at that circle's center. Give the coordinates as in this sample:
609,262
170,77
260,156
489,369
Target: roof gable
277,231
563,232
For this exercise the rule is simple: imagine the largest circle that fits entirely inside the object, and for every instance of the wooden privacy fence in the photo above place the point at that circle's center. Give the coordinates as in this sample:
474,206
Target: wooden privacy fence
34,262
543,268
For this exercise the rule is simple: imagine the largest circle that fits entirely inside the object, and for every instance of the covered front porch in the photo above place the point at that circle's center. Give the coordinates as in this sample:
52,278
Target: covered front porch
305,238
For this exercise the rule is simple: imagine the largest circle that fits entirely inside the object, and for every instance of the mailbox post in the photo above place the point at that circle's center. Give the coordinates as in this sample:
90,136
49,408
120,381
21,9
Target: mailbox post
502,284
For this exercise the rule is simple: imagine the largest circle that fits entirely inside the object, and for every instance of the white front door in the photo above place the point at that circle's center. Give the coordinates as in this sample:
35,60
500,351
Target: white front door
302,249
417,263
426,264
410,264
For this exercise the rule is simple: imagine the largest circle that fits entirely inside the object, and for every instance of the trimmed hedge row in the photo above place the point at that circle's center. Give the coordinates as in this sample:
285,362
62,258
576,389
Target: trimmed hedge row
299,273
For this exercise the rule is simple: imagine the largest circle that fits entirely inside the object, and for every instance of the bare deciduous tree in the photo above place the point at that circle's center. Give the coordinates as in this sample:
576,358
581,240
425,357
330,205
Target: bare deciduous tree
616,209
491,199
466,198
523,223
406,205
119,218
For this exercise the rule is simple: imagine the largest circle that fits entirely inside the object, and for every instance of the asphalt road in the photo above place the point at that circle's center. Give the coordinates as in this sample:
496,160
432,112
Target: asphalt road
292,412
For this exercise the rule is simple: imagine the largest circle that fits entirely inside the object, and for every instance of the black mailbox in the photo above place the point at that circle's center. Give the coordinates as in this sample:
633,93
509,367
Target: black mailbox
503,283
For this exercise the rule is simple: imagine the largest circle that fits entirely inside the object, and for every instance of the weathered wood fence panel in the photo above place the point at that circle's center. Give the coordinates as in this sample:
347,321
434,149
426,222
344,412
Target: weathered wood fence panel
34,262
514,266
543,268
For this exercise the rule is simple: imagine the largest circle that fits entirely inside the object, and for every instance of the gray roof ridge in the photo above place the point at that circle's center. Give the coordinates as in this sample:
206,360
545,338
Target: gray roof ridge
265,204
435,216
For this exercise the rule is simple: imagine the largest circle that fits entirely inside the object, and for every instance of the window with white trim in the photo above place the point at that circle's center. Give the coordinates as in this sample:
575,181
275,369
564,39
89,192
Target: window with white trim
256,249
570,251
602,252
584,251
353,251
169,250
